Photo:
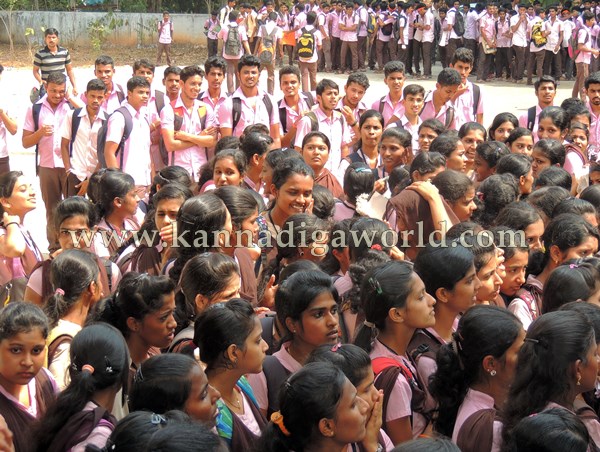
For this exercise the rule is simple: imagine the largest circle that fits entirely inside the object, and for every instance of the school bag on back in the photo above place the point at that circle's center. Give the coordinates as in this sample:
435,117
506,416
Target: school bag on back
102,137
573,44
371,24
459,24
306,43
537,35
233,45
267,47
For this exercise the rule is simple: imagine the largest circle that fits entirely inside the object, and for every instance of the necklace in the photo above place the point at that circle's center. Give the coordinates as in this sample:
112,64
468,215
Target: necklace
236,405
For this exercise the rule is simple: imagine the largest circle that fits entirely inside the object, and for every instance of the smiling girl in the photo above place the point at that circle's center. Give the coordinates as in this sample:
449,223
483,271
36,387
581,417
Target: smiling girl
502,126
315,151
26,388
553,123
306,306
229,336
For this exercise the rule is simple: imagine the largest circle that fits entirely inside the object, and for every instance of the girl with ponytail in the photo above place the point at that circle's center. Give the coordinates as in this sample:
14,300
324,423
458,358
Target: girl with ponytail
395,304
75,278
81,413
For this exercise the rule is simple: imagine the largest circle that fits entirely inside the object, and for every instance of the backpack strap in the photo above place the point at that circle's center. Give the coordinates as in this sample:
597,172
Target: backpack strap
267,332
35,113
236,112
386,372
476,97
160,101
56,343
107,263
449,117
310,100
422,344
267,101
75,121
531,117
276,375
283,118
381,105
120,96
314,122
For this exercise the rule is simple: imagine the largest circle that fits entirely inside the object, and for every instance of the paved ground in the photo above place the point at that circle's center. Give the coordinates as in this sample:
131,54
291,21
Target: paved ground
16,84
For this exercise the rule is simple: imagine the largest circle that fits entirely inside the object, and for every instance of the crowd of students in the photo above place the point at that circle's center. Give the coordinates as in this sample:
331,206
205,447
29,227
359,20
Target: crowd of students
223,274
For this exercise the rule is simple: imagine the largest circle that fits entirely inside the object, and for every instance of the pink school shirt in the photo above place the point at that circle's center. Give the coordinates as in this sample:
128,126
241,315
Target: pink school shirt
594,127
474,401
291,115
349,21
111,102
584,37
334,22
463,106
3,142
193,157
49,147
389,109
488,23
253,111
429,111
523,122
243,37
210,105
136,150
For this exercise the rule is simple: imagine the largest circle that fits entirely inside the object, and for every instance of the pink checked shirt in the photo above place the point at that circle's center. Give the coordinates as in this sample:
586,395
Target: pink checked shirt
389,109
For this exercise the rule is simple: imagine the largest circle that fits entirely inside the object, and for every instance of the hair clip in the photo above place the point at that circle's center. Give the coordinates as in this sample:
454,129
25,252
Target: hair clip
59,291
336,347
277,419
376,286
89,368
529,339
572,266
369,324
377,247
138,377
157,419
363,170
480,196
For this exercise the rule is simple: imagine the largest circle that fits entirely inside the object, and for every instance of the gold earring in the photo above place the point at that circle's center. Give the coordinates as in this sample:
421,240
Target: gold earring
578,380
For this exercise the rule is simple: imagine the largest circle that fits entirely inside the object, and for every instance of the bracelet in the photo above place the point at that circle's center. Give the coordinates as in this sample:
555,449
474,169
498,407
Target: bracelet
12,222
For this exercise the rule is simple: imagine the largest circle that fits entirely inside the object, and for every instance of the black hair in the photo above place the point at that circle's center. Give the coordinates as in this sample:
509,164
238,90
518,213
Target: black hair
75,206
56,78
494,193
500,119
379,232
95,84
255,143
554,176
239,202
568,282
518,133
445,143
289,167
470,126
544,370
287,70
544,79
482,331
492,151
163,383
592,79
393,66
412,90
545,199
400,178
576,206
433,444
323,203
318,134
383,288
22,317
138,64
555,429
518,216
591,194
220,326
191,71
553,150
176,70
427,162
358,179
519,165
295,295
137,82
452,185
235,155
99,360
71,273
402,136
309,395
248,60
113,184
349,358
184,438
104,60
433,124
558,116
449,77
7,185
215,62
50,31
463,55
137,295
359,78
324,84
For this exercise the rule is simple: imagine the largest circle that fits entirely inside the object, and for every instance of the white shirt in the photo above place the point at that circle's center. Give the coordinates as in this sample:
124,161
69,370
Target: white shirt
554,37
519,38
165,32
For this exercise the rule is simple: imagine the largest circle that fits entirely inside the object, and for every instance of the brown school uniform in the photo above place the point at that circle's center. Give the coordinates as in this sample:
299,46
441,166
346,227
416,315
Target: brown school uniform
329,181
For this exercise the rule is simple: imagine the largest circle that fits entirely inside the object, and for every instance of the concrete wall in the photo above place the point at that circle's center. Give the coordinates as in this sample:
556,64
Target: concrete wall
138,29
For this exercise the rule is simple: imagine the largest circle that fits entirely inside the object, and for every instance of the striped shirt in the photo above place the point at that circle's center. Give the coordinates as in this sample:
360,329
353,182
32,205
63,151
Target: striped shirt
49,62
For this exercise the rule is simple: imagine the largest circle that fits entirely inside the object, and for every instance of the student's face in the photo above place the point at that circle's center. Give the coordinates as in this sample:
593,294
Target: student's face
464,294
482,168
470,141
446,92
395,82
579,138
138,98
51,41
249,76
531,11
457,160
516,267
315,153
255,350
226,173
266,176
354,93
105,72
145,72
503,131
289,85
547,129
56,93
540,162
522,145
371,131
414,103
95,99
442,15
171,84
166,17
22,198
295,195
464,69
129,203
201,404
552,13
318,324
589,370
546,93
157,329
392,154
595,178
533,235
426,136
329,99
191,87
21,358
215,78
526,183
166,212
588,248
465,206
508,365
418,312
490,280
350,420
77,226
249,224
231,290
502,15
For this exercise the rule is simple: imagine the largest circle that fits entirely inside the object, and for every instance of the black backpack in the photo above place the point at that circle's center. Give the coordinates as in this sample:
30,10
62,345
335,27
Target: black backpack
102,137
459,24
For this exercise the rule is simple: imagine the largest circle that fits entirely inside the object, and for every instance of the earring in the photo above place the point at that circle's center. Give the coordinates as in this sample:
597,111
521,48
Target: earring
493,372
578,380
301,253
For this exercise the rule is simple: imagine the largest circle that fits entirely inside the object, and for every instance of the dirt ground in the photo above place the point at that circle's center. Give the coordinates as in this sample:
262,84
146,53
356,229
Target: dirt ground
182,54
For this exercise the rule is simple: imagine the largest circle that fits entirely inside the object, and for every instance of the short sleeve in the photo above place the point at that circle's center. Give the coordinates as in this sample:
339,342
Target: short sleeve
304,127
37,60
68,58
35,280
519,308
167,118
399,401
28,125
274,119
225,114
259,387
66,126
115,128
451,17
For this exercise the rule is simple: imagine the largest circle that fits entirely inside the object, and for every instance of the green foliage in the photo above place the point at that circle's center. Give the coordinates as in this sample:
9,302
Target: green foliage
99,29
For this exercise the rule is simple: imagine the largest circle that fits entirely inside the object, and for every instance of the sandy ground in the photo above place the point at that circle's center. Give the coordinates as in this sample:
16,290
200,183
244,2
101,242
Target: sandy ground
16,84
